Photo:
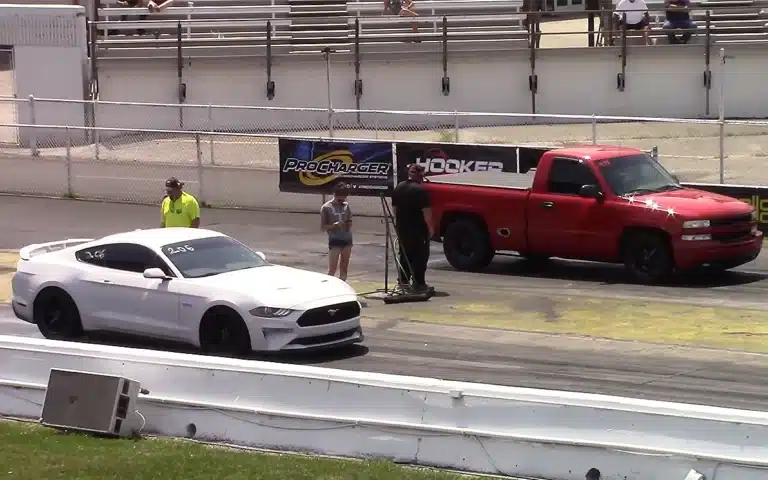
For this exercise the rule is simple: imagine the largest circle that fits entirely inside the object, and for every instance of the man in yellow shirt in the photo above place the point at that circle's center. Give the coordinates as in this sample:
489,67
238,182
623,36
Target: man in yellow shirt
179,208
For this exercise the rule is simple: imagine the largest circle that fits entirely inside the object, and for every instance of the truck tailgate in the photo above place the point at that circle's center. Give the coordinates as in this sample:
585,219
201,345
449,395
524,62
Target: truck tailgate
492,179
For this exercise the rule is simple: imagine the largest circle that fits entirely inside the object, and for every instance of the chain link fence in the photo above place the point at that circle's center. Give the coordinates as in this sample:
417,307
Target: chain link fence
228,156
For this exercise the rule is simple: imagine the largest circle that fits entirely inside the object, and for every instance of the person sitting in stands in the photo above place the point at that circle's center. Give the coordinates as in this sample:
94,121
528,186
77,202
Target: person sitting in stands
149,5
403,8
637,16
678,18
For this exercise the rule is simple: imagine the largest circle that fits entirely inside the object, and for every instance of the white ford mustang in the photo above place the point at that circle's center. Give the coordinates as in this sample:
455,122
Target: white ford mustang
189,285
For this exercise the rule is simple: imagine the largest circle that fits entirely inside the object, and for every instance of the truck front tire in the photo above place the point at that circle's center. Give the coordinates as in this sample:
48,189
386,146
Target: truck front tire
647,257
466,245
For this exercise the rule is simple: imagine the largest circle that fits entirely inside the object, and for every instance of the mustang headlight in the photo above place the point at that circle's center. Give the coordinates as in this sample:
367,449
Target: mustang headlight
696,224
271,312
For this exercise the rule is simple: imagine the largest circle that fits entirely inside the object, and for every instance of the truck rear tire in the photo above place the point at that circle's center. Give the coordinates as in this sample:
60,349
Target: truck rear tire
466,245
647,257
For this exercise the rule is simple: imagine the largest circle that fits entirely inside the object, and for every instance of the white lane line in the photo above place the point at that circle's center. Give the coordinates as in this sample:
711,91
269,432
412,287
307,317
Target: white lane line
448,362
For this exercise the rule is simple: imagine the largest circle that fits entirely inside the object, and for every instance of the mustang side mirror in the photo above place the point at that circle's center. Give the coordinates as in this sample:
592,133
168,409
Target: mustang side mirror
261,254
155,273
590,191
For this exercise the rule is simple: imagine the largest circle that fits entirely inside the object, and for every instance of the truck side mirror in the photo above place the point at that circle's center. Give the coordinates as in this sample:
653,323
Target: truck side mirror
590,191
676,178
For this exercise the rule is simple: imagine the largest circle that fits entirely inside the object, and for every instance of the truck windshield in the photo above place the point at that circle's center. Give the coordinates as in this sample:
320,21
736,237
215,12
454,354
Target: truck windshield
636,175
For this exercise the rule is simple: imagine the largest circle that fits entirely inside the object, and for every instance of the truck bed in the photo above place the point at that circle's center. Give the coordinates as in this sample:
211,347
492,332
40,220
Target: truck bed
492,179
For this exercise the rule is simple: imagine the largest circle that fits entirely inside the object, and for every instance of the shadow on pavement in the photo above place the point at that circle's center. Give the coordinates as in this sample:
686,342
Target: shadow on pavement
607,274
310,357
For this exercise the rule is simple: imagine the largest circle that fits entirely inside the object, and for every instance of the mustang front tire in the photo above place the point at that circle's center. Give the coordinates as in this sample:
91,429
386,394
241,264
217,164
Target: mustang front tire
56,315
223,332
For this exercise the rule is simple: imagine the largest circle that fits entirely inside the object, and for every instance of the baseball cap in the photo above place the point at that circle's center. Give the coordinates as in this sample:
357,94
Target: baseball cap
173,182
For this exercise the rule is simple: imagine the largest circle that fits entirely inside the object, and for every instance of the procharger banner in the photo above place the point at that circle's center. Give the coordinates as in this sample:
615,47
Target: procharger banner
312,166
444,158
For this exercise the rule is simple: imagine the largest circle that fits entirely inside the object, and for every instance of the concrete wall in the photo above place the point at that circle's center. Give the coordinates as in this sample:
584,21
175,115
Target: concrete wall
49,58
660,82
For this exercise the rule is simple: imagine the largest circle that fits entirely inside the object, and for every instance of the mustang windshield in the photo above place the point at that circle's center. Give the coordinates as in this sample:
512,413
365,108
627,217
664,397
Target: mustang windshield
636,175
211,256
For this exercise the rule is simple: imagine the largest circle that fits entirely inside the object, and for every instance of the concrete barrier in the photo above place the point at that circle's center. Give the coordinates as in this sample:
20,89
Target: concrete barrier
142,182
481,428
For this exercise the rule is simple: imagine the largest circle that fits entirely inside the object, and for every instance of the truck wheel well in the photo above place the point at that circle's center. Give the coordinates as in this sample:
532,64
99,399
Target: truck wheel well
450,217
629,232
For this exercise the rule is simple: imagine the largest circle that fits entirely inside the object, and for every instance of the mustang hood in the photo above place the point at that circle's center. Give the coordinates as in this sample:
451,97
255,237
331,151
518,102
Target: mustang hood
698,203
283,287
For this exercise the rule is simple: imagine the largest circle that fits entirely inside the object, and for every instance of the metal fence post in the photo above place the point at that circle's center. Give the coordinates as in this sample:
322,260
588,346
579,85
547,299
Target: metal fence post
376,128
721,115
456,126
70,193
96,133
33,130
594,129
210,130
199,155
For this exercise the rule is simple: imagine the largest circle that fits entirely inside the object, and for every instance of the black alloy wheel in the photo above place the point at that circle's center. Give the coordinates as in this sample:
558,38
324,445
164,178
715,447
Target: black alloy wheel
56,315
647,257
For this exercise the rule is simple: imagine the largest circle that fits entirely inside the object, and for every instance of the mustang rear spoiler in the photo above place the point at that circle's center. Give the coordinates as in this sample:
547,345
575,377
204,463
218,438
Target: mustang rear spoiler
35,249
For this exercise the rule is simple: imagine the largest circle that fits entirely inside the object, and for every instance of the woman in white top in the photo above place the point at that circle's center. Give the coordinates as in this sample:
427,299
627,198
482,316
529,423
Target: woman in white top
637,16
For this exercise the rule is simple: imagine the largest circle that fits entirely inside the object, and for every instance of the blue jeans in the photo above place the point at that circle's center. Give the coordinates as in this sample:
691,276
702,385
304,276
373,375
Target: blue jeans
681,24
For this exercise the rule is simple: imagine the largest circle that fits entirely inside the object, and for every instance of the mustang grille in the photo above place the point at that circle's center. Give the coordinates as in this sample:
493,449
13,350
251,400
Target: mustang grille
329,314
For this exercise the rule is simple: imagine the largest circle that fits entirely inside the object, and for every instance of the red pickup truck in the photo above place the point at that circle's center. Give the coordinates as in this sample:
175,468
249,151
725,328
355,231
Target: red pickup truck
597,203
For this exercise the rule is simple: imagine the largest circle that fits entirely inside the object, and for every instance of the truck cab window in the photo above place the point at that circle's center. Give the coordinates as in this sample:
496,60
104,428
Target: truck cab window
567,176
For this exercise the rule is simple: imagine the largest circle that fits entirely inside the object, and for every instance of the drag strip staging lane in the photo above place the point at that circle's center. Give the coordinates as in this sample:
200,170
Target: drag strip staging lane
469,353
657,372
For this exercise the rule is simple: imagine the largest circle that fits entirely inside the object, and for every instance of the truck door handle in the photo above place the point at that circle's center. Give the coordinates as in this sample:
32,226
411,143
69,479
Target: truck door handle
548,204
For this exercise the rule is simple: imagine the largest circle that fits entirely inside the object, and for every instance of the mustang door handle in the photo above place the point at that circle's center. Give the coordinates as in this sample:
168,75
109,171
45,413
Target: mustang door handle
106,281
547,204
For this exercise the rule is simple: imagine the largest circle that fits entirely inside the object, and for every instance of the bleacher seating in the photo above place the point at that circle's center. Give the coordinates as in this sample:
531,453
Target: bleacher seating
307,26
730,21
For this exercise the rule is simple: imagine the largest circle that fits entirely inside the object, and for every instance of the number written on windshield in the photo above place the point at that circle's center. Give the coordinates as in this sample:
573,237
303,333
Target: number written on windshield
179,249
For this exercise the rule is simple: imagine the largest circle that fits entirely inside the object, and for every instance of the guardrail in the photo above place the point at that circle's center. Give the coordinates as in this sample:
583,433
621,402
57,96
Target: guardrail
474,427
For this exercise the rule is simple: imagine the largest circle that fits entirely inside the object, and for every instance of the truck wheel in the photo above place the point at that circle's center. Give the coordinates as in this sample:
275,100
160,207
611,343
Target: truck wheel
466,246
647,257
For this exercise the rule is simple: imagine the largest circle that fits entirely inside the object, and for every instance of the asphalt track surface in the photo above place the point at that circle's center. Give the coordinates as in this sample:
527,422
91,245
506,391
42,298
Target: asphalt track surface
396,345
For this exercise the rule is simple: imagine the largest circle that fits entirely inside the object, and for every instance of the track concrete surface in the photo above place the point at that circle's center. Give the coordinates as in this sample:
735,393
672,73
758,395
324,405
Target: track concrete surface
573,326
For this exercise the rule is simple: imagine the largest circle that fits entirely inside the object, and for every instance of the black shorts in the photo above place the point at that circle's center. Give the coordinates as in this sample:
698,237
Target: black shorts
336,243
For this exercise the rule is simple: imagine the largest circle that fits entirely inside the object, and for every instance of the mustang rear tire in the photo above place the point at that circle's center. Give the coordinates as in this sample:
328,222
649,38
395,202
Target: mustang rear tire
223,332
56,315
647,257
466,245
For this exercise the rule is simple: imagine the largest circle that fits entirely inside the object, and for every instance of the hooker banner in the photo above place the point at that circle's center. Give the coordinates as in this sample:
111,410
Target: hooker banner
442,158
311,166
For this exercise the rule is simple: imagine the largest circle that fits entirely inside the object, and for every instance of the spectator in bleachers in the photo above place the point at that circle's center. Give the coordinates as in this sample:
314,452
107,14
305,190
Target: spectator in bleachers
403,8
637,17
678,17
124,18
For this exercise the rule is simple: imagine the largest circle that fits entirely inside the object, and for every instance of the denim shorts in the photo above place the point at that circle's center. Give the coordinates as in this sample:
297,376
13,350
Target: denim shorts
338,243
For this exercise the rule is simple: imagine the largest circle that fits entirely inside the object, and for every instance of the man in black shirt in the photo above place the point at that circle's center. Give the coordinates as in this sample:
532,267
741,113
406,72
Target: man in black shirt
413,224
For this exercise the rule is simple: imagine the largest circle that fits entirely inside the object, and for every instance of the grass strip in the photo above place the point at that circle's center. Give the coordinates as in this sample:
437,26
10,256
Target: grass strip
30,451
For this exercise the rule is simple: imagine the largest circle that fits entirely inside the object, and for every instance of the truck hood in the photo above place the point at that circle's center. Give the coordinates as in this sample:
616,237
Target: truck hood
282,287
690,202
